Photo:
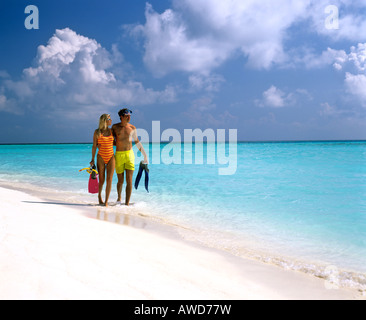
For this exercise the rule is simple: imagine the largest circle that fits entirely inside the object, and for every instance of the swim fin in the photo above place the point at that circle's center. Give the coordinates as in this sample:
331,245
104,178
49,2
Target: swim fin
143,168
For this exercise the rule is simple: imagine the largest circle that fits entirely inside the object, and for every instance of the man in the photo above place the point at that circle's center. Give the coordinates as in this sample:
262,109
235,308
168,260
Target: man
124,133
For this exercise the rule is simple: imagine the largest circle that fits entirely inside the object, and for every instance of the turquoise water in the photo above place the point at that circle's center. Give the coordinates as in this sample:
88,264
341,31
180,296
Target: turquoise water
305,201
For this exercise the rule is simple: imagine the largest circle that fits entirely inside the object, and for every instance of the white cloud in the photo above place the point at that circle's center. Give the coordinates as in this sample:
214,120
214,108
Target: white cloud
337,58
328,110
274,98
216,30
352,63
9,106
355,82
169,48
340,59
358,56
351,19
74,75
356,85
65,50
208,83
196,36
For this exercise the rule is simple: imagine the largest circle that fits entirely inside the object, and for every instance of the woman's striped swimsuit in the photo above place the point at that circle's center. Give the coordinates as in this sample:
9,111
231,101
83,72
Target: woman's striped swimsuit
106,148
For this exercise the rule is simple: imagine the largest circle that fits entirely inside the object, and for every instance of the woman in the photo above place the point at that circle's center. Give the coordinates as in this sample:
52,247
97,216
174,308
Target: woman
103,138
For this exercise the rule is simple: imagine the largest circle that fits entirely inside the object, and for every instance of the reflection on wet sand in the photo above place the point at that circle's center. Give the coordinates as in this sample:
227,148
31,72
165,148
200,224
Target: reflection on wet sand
121,218
116,217
132,217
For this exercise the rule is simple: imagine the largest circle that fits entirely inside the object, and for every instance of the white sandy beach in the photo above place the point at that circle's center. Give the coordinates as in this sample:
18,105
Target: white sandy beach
53,251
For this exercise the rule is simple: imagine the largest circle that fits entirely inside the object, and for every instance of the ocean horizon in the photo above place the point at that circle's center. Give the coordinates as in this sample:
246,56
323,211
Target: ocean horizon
167,142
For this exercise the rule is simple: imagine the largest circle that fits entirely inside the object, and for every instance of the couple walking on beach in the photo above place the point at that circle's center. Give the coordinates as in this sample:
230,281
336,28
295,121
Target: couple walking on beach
120,135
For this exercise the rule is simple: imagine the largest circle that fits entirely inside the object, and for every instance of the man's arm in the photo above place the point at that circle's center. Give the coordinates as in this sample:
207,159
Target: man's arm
139,145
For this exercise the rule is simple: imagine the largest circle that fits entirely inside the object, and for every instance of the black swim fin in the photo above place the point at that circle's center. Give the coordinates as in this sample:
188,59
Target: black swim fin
138,177
146,178
143,168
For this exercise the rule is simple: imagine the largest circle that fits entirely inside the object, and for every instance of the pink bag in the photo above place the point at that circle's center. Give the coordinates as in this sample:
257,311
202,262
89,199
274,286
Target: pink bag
94,185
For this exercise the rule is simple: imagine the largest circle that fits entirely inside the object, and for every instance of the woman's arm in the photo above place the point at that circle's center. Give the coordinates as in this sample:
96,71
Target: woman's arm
114,135
94,149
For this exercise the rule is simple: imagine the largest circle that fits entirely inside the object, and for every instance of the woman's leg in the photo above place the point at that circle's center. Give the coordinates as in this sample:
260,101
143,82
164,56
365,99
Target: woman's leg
101,171
110,172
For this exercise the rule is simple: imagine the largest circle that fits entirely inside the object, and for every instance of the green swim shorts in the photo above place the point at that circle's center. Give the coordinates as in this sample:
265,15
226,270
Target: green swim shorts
125,160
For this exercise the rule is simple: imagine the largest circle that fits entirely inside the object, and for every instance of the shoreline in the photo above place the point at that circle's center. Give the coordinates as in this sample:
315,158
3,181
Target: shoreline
140,216
54,250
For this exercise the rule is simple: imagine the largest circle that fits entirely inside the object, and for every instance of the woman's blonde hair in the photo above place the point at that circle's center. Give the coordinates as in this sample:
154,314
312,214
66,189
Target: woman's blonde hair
103,123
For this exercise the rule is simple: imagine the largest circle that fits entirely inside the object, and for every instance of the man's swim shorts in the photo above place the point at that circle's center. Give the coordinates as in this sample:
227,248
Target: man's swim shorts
125,160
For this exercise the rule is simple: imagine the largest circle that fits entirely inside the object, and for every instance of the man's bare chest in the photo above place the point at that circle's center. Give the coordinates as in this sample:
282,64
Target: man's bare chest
123,133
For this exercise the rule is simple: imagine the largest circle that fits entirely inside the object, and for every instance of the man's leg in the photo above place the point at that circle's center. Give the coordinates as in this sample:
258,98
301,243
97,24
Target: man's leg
120,185
129,177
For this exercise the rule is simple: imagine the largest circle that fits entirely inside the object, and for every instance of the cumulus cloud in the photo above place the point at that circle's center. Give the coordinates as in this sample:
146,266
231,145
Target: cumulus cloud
354,66
210,83
197,36
274,98
9,106
327,110
338,19
216,30
73,75
169,47
356,58
356,85
328,57
352,63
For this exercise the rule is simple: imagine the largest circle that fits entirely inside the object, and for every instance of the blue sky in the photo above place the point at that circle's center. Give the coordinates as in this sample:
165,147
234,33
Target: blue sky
273,70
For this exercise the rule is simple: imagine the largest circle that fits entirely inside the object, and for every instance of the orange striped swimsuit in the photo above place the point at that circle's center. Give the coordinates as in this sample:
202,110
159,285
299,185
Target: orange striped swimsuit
106,148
